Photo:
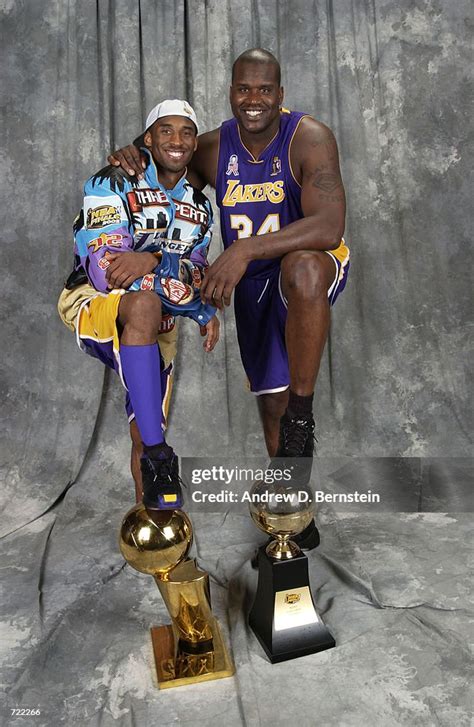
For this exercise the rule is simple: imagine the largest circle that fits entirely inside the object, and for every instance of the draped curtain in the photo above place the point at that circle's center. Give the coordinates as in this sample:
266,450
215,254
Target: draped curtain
391,79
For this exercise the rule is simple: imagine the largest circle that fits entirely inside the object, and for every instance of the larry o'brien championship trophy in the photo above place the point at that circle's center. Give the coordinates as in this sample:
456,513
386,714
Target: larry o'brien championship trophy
283,616
191,649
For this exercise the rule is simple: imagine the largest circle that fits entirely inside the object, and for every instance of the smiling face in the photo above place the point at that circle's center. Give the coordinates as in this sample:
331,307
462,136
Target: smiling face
256,96
172,141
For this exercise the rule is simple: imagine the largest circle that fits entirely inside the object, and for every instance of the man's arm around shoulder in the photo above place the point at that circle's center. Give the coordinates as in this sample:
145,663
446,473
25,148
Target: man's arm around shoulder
202,168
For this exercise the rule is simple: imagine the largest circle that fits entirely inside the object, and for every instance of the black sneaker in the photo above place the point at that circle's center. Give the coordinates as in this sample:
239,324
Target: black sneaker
161,483
296,447
296,436
308,539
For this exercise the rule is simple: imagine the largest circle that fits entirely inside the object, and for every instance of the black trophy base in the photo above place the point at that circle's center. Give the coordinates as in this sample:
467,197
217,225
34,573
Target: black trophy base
283,616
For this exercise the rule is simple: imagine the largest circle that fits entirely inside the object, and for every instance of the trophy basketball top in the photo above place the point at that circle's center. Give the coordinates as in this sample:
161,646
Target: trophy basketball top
155,542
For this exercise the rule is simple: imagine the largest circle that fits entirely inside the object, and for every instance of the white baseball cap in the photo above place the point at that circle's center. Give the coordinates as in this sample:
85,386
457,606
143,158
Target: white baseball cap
171,107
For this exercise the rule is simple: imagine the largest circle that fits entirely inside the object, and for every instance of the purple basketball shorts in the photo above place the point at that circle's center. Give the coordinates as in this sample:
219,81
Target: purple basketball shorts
260,312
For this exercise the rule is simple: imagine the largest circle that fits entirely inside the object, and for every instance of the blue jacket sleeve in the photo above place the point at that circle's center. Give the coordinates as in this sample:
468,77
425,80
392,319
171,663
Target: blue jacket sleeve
102,228
179,297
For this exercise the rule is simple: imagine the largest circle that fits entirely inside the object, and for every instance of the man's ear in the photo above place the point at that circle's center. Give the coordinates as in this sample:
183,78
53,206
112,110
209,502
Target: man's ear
147,139
282,93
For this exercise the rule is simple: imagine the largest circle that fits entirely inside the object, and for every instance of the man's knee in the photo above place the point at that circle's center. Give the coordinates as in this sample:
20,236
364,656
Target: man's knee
306,274
142,308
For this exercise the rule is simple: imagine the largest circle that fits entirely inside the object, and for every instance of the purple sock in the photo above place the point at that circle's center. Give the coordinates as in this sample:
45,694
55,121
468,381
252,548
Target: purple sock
141,368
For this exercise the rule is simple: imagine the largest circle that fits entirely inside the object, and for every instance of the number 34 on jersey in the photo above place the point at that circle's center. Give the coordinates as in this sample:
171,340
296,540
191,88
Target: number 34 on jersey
244,225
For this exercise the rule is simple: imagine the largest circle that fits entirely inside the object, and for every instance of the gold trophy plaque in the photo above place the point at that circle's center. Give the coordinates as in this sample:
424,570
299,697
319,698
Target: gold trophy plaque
283,616
191,649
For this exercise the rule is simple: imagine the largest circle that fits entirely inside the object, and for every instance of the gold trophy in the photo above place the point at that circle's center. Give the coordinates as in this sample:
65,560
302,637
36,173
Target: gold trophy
191,648
283,616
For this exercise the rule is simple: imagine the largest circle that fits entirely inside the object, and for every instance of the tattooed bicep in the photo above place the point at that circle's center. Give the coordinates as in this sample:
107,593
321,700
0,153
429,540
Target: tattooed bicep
321,175
327,181
322,168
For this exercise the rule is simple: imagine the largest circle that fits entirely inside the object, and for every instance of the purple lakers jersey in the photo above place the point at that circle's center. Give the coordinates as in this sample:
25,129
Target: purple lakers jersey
257,196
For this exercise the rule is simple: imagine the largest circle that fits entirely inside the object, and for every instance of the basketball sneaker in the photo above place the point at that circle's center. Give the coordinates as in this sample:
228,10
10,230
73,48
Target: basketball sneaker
161,483
296,438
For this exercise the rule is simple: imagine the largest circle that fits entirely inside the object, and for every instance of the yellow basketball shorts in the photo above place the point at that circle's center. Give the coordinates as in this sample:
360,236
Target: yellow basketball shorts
92,316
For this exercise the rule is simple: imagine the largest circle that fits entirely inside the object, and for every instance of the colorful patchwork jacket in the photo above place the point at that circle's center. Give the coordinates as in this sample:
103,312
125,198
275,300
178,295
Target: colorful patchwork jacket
121,214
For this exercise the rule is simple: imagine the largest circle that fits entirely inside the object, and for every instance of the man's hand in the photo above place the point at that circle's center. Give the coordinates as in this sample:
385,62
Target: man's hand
131,159
211,331
126,267
224,274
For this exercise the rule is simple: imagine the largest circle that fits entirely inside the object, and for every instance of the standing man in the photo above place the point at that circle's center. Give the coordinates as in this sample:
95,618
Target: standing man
282,206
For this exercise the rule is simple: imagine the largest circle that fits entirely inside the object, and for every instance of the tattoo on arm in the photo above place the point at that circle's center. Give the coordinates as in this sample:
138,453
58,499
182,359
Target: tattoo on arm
326,181
331,197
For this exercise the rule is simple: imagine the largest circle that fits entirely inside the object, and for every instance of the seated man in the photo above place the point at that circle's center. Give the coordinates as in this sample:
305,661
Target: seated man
143,246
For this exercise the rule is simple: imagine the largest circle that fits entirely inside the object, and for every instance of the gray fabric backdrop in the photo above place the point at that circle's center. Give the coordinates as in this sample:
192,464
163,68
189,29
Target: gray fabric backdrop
392,79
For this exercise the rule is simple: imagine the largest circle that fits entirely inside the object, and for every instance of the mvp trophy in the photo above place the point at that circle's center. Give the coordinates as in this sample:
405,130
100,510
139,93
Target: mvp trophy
191,649
283,616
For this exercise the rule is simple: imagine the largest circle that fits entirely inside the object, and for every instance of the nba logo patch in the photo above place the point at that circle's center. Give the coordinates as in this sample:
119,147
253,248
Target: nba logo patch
276,166
233,165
